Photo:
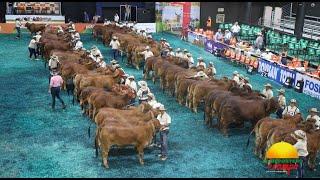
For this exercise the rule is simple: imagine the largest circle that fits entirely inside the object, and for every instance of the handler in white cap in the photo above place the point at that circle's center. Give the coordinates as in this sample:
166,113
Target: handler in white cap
179,54
133,85
282,102
201,75
291,110
143,91
78,45
53,62
114,63
151,99
212,69
165,121
185,52
190,60
201,63
236,77
302,147
60,30
147,53
115,45
95,53
267,91
314,115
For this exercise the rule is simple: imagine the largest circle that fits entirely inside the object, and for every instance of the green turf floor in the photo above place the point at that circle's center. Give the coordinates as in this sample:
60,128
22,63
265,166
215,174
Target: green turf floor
36,142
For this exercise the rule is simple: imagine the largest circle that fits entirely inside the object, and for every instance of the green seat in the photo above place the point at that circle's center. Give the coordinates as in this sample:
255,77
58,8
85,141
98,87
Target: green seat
311,53
221,26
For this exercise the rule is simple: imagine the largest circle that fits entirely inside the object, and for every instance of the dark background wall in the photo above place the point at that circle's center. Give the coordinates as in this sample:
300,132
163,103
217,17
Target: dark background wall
74,10
235,11
2,11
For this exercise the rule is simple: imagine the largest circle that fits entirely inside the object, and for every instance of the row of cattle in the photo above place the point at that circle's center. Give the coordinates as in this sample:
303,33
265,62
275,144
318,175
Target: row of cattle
230,104
104,100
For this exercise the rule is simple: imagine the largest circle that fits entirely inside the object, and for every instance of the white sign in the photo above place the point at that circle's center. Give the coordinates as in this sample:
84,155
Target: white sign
311,87
149,27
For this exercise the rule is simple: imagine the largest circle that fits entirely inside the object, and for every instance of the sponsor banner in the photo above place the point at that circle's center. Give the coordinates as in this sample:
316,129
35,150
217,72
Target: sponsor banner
275,72
36,18
150,27
211,45
191,37
311,86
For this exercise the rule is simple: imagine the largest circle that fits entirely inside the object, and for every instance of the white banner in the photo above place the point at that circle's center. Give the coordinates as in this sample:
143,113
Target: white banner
150,27
311,87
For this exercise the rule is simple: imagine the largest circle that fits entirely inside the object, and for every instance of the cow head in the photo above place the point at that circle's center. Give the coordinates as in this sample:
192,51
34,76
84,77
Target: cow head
271,105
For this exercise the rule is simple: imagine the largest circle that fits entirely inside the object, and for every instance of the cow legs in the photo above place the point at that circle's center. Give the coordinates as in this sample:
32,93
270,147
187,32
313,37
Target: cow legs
140,153
312,160
105,153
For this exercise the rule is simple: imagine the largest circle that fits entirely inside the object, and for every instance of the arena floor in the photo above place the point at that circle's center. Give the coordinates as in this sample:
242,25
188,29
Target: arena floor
36,142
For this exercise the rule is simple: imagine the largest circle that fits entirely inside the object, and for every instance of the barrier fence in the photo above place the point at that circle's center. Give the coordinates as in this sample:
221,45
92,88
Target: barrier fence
274,71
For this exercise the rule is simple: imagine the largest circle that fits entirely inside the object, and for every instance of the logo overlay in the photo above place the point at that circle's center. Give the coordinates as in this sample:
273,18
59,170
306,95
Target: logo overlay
282,157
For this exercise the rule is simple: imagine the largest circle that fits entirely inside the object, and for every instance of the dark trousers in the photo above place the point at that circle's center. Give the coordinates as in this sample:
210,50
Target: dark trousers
133,101
164,142
300,172
55,92
279,112
38,50
32,51
115,53
18,32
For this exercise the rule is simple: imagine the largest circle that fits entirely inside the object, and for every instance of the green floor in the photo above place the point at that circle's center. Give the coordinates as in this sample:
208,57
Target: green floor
36,142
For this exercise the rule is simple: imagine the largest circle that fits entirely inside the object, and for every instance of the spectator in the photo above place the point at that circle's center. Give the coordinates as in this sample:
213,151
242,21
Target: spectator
86,17
116,18
235,29
259,42
218,36
209,23
127,15
227,36
284,59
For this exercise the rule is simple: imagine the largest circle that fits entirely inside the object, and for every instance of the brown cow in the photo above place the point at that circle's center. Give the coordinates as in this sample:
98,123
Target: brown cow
264,125
122,135
33,28
238,109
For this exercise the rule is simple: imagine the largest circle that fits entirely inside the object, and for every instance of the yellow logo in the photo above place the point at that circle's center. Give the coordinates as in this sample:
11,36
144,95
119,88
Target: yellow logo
282,150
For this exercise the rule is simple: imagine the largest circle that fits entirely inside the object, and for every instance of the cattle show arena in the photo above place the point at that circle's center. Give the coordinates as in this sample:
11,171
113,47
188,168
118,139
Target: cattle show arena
39,141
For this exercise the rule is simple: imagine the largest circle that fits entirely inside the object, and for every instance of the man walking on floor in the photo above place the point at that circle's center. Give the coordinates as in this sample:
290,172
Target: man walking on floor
56,82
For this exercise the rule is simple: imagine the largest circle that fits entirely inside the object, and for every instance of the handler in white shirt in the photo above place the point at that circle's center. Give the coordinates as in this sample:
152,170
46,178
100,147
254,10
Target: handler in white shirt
79,45
147,53
291,110
201,63
268,91
115,45
236,77
131,83
179,54
302,147
314,115
190,60
165,121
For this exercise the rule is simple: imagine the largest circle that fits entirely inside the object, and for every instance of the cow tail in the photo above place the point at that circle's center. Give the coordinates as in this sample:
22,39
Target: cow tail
96,142
248,141
89,130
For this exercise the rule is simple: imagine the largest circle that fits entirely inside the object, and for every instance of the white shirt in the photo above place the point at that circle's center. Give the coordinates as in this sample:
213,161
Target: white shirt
96,53
18,24
53,63
102,64
201,63
191,61
268,94
33,44
164,120
147,54
93,57
141,96
282,101
213,69
228,36
75,35
38,37
235,28
152,102
302,148
179,55
291,110
114,44
131,84
171,53
248,85
79,45
73,26
236,79
317,118
106,23
116,18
